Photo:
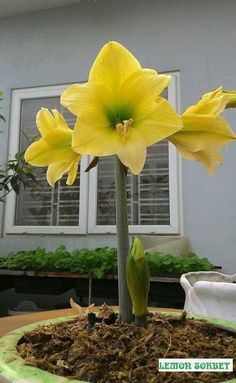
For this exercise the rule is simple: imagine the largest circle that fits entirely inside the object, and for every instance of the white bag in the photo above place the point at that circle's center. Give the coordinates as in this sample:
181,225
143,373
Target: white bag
210,293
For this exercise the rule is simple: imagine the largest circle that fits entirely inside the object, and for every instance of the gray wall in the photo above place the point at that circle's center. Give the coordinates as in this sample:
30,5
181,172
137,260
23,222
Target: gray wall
195,37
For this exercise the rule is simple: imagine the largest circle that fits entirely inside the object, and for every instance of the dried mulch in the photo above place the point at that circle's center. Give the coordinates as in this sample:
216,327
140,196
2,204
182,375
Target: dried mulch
121,352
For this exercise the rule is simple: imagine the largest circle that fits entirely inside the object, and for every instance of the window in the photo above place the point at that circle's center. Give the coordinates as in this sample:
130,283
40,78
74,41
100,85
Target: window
88,206
39,208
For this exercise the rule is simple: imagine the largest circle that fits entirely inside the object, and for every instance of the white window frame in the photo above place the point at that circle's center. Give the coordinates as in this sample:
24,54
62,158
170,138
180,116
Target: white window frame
18,95
175,226
88,182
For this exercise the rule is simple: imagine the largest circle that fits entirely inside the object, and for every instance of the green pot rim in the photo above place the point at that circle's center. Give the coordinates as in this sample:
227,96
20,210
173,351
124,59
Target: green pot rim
13,369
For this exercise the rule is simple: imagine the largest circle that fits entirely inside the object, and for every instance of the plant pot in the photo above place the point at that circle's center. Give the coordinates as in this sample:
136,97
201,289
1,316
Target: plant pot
210,293
14,370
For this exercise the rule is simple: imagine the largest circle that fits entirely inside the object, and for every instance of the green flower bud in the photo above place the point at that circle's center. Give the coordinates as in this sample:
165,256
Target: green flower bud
232,98
138,281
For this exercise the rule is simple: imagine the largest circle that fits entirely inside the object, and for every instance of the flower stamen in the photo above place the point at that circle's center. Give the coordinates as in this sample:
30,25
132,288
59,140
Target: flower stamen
122,129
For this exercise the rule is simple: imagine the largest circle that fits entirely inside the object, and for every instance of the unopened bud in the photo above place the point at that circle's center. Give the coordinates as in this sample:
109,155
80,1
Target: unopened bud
137,273
232,98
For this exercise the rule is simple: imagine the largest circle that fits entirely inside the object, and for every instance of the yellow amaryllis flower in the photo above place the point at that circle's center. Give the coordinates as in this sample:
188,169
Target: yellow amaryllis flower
54,148
119,109
205,132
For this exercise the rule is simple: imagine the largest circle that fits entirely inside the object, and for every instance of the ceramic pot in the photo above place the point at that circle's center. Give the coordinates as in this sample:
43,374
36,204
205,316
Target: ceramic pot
210,293
13,369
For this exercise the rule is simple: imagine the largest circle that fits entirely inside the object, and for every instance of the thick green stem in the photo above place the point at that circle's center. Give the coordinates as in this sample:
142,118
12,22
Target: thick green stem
125,305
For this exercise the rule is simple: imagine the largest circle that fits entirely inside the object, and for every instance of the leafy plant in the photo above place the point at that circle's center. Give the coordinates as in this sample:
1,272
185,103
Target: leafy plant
166,263
99,262
14,173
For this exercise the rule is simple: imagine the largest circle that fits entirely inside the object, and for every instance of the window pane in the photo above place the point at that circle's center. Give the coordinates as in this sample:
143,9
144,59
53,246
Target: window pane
147,193
106,211
39,204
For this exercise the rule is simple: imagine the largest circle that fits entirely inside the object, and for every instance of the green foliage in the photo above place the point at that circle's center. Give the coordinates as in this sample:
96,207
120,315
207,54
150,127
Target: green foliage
14,173
99,262
166,263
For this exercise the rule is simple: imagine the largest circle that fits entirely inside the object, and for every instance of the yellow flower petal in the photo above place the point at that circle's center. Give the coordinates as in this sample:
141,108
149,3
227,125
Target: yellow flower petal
113,65
160,124
73,96
45,121
103,141
85,98
54,148
61,122
141,90
59,138
211,103
73,171
94,138
205,133
209,159
38,154
202,132
132,151
56,171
